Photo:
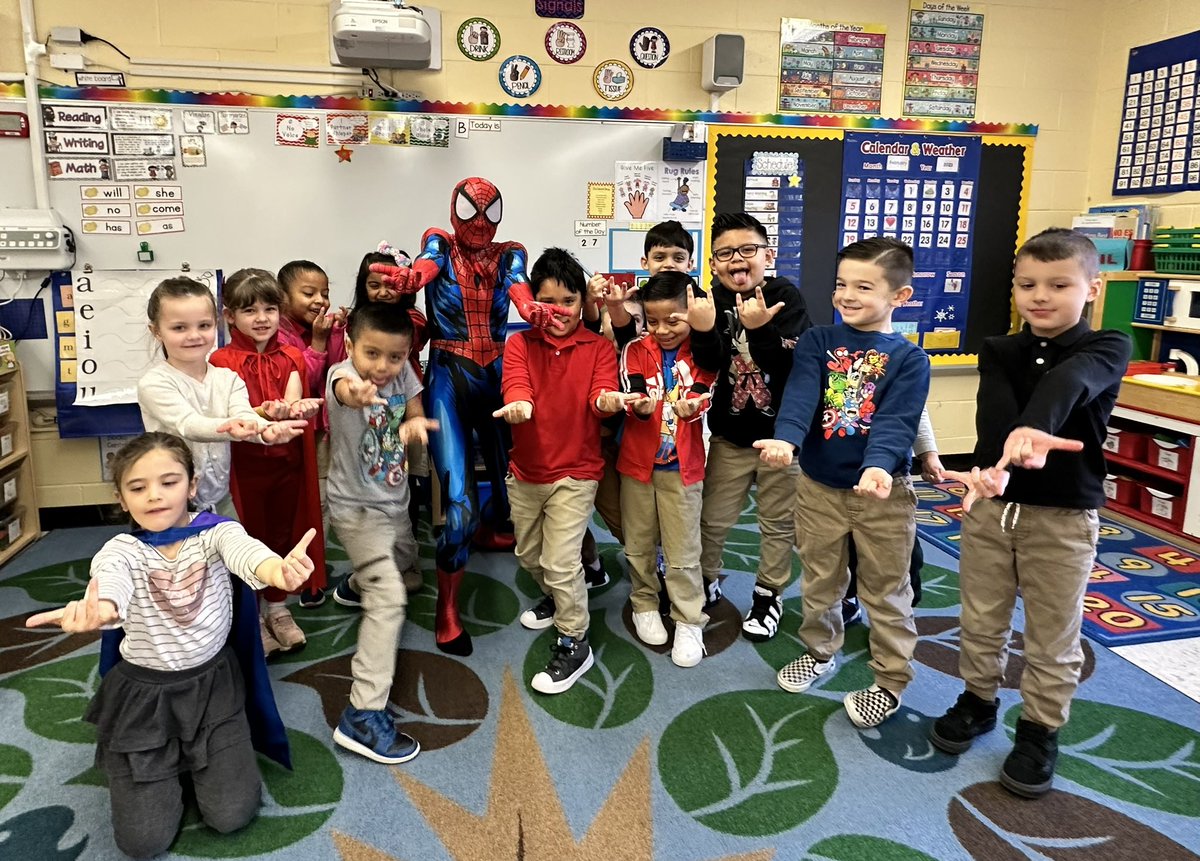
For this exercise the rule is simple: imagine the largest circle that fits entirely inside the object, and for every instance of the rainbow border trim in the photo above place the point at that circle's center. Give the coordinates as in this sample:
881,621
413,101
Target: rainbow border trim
491,109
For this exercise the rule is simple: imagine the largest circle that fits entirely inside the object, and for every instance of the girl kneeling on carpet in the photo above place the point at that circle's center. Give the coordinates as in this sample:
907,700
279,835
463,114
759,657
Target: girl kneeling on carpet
176,702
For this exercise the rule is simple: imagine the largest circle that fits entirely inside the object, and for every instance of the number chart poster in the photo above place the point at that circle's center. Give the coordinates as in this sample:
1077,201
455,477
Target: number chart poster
774,194
1159,147
830,67
919,189
942,73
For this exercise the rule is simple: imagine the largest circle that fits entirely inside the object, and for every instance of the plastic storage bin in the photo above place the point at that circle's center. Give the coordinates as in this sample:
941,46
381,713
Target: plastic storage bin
1169,455
9,486
10,527
1177,251
1121,490
1164,506
8,438
1125,443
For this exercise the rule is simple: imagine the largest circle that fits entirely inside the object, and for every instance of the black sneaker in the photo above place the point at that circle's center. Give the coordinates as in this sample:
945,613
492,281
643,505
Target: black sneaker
851,612
664,600
310,598
572,658
594,575
762,621
1029,769
970,716
347,595
540,615
712,595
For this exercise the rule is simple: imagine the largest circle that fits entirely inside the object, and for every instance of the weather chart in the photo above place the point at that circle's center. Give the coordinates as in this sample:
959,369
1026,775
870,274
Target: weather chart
920,189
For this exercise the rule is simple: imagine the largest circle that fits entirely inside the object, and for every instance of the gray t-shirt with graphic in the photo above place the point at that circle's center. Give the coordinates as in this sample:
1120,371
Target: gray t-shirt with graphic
367,461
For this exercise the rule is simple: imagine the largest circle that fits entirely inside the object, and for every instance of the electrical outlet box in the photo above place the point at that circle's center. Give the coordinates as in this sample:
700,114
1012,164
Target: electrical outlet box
66,35
68,62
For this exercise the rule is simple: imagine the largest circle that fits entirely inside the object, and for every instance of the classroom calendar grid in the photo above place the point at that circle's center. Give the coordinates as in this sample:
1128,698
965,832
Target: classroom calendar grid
1159,145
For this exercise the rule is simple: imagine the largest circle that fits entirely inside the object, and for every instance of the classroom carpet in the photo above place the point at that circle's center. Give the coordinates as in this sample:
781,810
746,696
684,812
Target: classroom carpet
641,760
1142,590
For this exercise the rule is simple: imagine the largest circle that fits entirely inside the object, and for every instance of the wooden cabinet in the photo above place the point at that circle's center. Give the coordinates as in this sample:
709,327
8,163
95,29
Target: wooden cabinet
19,523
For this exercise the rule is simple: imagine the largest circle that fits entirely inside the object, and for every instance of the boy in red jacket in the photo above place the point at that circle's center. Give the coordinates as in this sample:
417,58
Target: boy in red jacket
662,466
558,384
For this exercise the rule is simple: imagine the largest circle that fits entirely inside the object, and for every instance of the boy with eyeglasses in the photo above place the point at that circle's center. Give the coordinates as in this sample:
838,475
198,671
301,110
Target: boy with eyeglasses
758,322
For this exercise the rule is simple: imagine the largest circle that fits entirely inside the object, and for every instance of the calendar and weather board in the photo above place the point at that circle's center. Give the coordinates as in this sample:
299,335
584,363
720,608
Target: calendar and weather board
920,189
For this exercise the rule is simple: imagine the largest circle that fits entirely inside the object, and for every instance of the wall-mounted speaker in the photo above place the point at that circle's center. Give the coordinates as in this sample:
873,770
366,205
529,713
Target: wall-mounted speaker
723,67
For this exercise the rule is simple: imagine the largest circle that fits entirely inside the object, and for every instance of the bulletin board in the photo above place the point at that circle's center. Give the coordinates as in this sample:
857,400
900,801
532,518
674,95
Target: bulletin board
259,203
1004,169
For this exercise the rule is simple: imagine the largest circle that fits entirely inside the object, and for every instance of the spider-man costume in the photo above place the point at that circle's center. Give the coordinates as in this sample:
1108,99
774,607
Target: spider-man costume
468,281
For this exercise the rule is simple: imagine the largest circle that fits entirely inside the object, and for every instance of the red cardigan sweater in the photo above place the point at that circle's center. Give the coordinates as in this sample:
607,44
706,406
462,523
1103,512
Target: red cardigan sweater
641,371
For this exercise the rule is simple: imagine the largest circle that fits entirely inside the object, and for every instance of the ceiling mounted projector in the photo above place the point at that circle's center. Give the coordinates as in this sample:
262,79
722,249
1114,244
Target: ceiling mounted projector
384,34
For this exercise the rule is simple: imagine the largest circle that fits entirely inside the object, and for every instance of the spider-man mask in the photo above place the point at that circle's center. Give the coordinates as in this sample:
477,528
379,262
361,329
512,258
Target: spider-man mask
475,210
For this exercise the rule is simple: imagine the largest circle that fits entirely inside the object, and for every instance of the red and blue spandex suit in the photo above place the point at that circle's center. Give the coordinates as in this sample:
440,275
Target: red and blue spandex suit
469,280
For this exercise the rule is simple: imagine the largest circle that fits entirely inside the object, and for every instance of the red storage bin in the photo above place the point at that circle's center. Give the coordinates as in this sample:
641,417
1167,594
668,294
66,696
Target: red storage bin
1164,506
1169,455
1121,490
1127,444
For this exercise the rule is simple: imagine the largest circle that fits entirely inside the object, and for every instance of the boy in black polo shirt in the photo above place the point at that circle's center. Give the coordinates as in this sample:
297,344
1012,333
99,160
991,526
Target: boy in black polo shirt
1030,521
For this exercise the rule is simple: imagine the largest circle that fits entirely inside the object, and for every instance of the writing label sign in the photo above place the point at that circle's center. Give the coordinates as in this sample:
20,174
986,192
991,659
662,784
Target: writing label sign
558,8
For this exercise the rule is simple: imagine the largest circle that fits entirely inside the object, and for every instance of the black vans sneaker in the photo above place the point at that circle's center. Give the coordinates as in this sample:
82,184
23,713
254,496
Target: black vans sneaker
762,621
970,716
1029,769
851,612
572,658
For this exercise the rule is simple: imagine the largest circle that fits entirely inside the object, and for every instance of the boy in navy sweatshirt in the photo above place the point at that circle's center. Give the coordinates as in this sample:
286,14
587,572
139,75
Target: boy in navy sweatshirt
1038,533
851,408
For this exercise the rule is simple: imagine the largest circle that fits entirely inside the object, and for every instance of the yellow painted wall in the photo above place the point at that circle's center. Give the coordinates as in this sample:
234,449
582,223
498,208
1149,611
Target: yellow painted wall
1043,62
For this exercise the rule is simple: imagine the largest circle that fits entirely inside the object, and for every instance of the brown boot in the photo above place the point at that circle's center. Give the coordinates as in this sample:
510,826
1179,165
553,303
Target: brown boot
284,628
269,643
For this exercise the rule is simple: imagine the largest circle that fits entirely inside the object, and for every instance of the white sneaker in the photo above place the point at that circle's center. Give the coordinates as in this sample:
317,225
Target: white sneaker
689,645
649,627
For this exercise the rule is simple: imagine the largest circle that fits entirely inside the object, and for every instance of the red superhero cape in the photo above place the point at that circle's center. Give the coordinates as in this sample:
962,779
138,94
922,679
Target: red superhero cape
264,477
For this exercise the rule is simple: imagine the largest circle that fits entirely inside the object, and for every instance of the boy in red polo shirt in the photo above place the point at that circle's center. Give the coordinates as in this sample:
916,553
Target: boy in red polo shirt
558,384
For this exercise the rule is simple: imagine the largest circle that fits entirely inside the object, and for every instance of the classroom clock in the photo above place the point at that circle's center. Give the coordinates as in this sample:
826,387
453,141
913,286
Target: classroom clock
14,124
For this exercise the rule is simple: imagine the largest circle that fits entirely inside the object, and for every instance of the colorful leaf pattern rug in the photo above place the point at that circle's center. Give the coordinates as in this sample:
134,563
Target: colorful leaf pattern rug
640,760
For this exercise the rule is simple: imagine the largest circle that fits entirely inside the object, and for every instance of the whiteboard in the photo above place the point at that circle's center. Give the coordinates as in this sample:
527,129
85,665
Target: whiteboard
259,204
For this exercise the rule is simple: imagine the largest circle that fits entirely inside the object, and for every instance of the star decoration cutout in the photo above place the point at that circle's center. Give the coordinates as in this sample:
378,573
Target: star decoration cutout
794,181
343,153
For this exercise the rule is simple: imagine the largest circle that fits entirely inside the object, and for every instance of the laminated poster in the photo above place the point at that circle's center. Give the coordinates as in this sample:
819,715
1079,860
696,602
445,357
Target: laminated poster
919,189
1159,147
942,71
830,67
773,192
636,187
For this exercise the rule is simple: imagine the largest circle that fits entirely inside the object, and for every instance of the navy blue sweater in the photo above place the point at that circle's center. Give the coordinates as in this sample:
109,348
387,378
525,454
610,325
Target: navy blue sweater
853,401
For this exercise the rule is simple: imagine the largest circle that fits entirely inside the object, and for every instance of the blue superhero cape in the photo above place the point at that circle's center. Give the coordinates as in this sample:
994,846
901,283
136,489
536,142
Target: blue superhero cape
267,732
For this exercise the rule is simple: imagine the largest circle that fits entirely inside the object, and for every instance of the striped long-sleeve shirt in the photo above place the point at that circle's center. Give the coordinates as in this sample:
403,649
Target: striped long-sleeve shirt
177,612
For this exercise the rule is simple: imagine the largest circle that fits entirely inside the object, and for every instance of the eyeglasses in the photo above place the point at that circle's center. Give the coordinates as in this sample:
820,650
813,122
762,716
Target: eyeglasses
745,252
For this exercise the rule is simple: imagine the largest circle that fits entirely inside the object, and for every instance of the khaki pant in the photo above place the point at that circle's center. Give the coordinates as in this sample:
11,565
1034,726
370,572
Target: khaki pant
730,472
549,521
664,510
883,531
379,544
1047,554
608,492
